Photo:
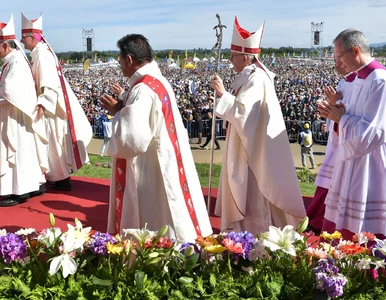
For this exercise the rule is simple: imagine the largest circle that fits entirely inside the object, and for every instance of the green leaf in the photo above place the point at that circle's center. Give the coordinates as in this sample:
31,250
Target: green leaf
185,280
139,278
103,282
212,280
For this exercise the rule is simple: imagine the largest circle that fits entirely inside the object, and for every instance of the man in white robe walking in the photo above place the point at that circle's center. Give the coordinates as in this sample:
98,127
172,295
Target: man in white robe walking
258,186
22,147
154,180
356,201
68,129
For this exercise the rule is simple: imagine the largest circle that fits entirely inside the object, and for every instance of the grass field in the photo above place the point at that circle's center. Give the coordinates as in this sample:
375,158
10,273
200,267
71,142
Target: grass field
91,170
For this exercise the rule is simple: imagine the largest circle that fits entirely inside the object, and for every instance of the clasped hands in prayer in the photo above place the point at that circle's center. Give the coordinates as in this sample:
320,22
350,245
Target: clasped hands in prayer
330,109
110,103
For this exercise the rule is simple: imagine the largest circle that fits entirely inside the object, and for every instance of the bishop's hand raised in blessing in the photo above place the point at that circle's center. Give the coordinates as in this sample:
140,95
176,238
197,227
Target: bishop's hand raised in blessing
111,104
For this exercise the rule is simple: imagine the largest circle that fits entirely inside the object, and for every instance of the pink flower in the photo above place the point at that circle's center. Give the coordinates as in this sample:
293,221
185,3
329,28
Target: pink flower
232,247
317,252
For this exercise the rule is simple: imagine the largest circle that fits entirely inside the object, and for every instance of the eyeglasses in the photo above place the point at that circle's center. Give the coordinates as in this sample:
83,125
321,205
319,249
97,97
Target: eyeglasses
336,58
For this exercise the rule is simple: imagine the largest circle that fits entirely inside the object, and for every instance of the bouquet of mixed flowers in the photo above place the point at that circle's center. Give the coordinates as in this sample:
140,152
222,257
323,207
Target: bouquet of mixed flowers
81,263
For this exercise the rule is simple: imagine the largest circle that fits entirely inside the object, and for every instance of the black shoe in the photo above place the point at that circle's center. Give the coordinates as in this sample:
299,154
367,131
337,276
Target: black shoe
7,201
313,229
41,191
21,198
62,185
218,148
202,147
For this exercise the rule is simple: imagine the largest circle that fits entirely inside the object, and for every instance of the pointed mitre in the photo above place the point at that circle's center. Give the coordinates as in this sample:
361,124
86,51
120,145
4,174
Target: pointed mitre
32,26
7,30
244,41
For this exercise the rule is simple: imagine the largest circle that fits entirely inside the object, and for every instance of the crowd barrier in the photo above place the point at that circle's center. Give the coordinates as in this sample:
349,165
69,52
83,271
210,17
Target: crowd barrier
294,127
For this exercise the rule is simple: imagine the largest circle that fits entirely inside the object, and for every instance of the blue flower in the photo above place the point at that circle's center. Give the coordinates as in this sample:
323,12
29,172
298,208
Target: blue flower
97,243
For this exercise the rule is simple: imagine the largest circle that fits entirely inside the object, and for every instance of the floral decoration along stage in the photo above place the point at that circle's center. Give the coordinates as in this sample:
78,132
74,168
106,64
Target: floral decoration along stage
81,263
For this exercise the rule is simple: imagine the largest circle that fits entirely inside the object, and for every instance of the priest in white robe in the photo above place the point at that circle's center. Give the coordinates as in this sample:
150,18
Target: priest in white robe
316,209
23,156
258,186
154,180
68,128
356,201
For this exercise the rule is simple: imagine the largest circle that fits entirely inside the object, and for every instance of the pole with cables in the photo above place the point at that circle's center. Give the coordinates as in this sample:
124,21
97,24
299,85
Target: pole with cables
217,51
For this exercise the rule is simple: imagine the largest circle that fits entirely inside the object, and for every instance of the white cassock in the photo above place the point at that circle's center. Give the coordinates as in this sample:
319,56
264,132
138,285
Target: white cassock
324,177
50,95
258,185
356,200
153,193
23,153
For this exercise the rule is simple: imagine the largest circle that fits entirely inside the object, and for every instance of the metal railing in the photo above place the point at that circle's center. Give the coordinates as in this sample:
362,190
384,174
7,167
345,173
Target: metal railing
294,127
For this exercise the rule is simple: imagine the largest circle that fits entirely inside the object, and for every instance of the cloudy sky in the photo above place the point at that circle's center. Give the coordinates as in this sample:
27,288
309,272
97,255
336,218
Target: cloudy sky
188,24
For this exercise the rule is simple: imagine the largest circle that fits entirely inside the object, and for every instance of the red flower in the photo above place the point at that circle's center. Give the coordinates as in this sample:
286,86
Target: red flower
370,236
163,242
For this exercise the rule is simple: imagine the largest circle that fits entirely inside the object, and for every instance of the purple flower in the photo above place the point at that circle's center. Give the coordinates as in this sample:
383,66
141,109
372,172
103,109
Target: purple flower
246,239
98,241
12,247
188,245
328,278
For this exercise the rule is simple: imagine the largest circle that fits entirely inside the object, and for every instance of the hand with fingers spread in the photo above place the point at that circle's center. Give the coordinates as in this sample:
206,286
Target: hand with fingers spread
111,104
332,95
218,85
117,89
331,111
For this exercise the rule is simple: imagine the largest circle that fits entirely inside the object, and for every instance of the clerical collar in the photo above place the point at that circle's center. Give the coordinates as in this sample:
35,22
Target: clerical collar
368,68
350,77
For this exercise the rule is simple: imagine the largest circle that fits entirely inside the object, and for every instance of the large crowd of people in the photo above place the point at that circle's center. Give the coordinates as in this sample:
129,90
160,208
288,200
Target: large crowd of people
299,85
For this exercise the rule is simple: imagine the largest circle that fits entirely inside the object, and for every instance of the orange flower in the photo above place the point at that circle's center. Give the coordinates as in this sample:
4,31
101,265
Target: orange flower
370,236
206,242
352,249
232,247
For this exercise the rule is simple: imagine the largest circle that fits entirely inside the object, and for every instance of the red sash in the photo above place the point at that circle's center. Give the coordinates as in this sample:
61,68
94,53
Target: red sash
167,111
70,120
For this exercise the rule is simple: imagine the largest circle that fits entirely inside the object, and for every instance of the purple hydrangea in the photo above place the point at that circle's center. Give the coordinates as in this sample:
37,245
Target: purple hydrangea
187,245
246,239
328,279
97,243
12,247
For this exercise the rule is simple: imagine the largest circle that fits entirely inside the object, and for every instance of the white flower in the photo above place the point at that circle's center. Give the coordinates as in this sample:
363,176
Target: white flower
362,239
277,239
65,261
141,235
26,231
3,232
49,235
364,264
80,234
379,264
381,246
258,251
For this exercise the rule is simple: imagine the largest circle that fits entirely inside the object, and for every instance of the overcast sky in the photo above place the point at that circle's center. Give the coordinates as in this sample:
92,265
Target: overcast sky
188,24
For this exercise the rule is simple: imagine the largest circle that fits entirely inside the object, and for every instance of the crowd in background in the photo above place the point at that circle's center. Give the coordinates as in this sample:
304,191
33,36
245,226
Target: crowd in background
299,84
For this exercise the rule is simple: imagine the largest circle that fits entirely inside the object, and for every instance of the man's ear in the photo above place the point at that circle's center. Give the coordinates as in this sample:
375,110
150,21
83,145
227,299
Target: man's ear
356,50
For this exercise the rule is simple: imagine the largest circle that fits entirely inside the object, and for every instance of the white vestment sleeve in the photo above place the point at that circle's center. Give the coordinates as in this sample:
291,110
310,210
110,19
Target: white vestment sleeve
48,99
361,135
133,126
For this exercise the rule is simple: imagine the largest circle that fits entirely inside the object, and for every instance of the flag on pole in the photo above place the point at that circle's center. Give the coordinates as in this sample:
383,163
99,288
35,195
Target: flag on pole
86,64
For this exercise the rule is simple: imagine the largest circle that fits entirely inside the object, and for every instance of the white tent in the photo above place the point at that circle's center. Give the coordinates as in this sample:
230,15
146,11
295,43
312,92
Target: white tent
173,66
196,59
204,59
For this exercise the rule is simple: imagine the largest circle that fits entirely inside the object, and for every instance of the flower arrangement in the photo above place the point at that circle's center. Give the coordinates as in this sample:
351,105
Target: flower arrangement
82,263
106,165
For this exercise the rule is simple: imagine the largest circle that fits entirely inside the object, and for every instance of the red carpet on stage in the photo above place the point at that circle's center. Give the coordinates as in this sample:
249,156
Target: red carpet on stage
88,201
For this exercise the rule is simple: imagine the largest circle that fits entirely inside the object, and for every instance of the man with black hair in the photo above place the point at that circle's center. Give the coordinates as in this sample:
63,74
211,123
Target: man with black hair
154,180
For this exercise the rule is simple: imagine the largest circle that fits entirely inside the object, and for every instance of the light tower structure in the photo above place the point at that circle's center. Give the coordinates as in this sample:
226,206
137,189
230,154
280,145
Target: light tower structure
88,39
317,37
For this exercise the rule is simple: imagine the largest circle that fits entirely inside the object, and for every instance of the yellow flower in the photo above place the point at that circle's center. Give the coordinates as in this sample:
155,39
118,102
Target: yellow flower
114,249
215,249
331,236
